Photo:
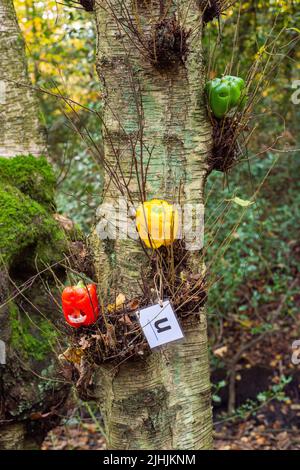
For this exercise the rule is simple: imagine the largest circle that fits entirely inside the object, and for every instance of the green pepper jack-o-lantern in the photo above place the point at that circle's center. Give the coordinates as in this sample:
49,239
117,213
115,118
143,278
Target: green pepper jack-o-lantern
224,94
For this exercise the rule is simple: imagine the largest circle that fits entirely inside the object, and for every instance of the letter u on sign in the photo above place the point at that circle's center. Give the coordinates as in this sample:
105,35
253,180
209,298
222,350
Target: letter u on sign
159,324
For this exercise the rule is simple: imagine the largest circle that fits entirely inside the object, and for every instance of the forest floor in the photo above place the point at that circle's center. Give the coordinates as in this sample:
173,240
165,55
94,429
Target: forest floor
276,427
268,431
260,421
273,425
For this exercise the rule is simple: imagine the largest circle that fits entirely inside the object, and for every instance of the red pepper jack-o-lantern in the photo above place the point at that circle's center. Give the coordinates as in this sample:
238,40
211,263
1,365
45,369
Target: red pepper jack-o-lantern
80,305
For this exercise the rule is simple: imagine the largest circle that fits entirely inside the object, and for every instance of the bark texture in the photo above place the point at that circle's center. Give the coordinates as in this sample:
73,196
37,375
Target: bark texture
32,393
21,132
12,436
162,402
15,437
157,139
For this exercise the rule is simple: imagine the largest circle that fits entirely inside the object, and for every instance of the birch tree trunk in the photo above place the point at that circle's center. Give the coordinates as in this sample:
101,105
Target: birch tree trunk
21,132
157,139
24,389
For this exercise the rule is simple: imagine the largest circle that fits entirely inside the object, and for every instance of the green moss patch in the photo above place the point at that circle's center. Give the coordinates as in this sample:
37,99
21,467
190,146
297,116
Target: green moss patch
27,226
32,176
32,338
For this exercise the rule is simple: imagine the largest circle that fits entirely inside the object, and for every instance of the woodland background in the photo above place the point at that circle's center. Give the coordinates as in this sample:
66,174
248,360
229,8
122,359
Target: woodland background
253,303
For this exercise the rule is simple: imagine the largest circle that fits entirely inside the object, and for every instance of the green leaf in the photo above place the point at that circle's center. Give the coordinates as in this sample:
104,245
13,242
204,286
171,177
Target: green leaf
262,397
216,398
242,202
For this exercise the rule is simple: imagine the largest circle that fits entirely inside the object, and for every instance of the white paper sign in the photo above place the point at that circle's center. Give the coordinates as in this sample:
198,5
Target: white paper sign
159,324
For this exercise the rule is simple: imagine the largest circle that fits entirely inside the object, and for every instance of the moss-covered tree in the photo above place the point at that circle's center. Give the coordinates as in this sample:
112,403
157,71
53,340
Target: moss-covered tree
30,240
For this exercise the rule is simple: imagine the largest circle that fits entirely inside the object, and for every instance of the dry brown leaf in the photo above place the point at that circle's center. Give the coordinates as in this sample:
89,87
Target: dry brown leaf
66,223
66,369
84,342
132,305
97,337
125,320
221,352
260,440
38,415
110,337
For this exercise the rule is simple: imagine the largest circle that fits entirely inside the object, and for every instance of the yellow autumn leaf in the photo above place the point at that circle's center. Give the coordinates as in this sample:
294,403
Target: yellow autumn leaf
246,323
118,305
73,355
260,52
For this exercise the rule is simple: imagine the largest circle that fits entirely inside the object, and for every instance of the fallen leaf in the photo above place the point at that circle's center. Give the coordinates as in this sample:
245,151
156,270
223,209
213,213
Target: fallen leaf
110,337
133,305
97,337
66,223
246,323
118,305
84,342
220,352
125,320
260,440
73,355
38,415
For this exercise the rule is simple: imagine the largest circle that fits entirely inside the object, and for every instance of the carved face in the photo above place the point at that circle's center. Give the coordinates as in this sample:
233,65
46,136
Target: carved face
80,305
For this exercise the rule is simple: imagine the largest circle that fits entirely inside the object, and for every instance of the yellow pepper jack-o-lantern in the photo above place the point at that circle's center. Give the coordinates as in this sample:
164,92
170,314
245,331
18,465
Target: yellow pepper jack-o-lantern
157,223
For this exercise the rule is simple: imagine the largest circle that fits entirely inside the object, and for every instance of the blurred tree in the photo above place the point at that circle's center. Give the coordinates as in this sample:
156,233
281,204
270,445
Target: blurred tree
21,132
60,45
30,391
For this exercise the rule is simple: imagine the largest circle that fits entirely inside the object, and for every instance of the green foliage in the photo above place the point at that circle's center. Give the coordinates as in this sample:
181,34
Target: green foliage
80,192
258,265
250,408
216,387
248,34
29,339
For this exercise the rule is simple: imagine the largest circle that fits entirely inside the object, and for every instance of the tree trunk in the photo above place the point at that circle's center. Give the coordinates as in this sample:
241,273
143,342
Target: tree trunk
21,132
157,139
15,437
162,402
29,383
12,436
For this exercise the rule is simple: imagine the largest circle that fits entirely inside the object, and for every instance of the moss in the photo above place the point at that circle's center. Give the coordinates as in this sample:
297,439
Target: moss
32,176
26,223
28,230
29,340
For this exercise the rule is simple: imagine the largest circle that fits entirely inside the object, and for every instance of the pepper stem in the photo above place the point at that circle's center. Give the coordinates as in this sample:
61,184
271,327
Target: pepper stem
80,284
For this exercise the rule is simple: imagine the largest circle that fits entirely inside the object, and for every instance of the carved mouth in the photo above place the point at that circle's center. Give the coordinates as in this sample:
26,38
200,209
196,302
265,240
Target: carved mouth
78,319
